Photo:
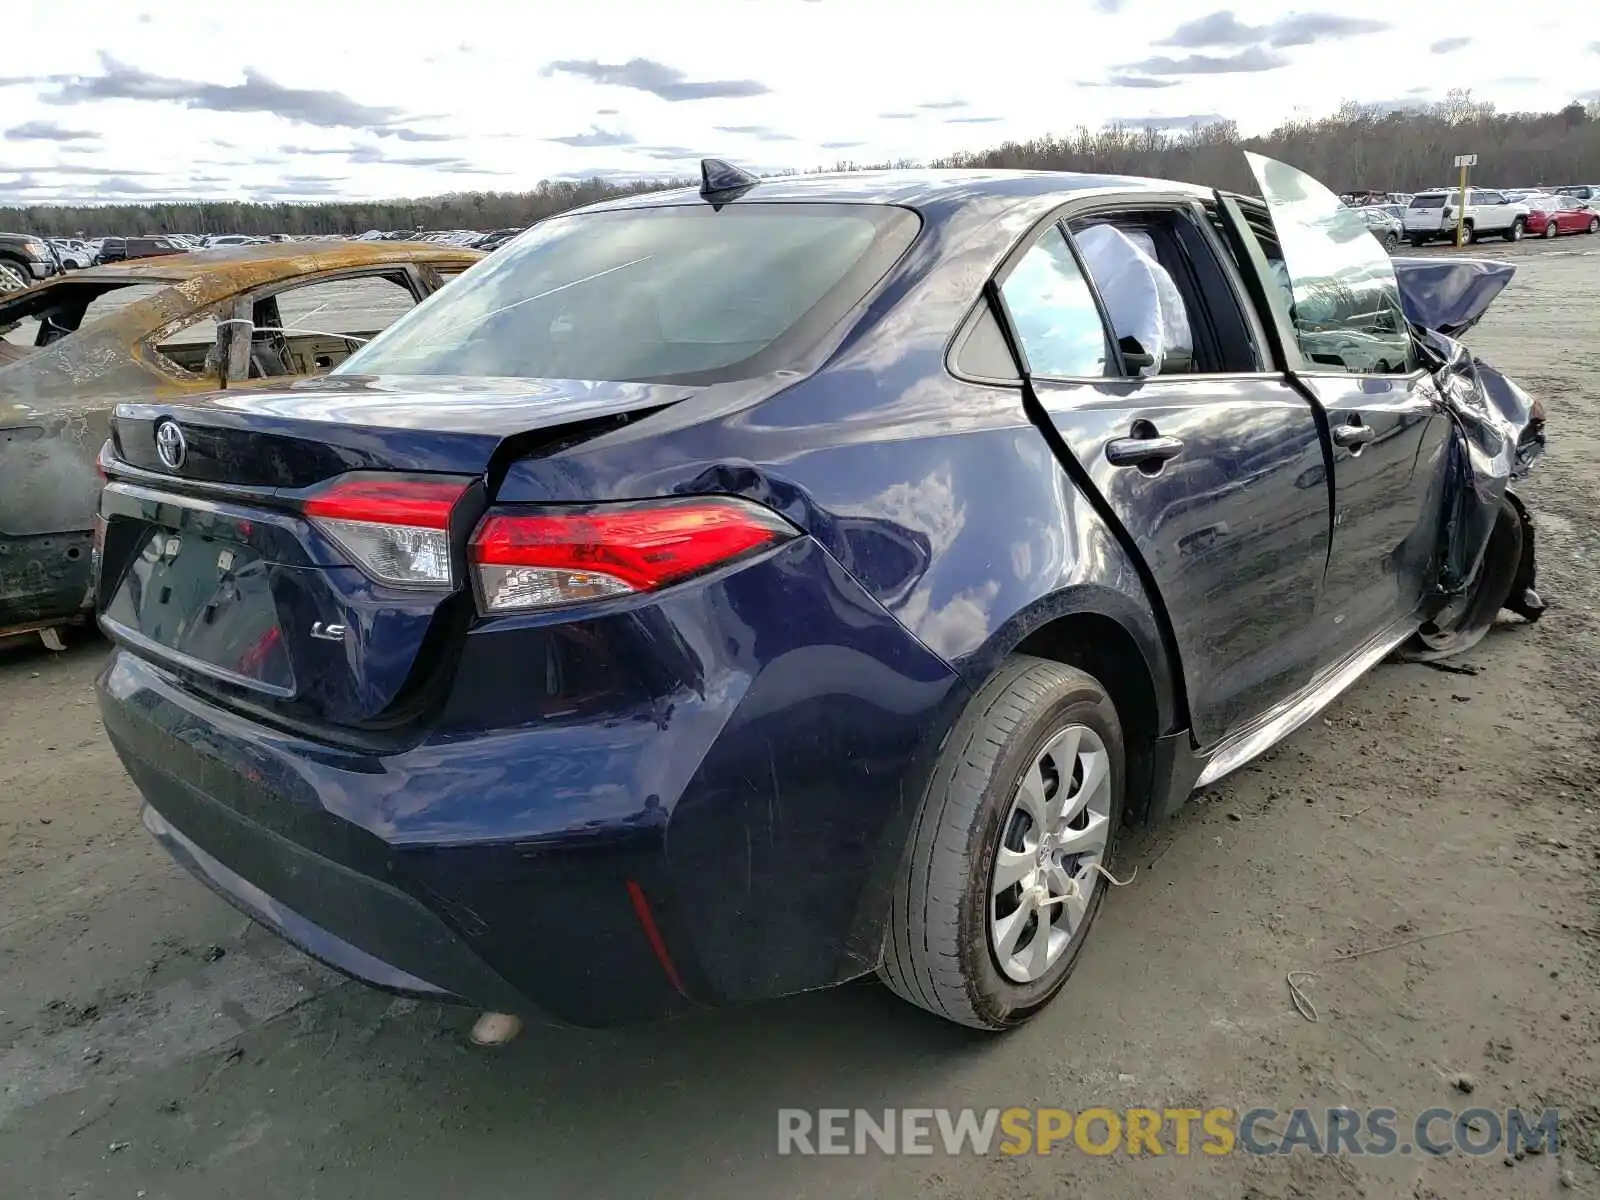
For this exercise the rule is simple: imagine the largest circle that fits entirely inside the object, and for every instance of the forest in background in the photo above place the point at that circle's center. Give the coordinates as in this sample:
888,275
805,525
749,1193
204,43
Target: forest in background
1360,147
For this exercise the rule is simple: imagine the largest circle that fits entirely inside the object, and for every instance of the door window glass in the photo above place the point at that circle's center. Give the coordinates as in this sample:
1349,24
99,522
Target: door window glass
1344,296
1054,312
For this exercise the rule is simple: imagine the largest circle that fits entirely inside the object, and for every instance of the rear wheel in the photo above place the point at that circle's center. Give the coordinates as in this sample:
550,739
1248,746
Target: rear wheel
1514,234
1002,878
1469,234
1418,241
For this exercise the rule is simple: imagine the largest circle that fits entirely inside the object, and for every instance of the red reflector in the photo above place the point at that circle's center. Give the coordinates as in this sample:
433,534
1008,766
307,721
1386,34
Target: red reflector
643,547
652,934
418,503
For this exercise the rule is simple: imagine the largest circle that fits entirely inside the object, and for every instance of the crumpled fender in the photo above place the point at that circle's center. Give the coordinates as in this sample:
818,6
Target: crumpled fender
1499,431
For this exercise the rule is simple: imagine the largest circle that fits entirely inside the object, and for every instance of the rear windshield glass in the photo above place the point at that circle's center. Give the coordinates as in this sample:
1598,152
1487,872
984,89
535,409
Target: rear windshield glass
683,294
1427,202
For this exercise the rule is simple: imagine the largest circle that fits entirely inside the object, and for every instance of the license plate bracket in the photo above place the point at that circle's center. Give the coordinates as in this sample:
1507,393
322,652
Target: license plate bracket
208,601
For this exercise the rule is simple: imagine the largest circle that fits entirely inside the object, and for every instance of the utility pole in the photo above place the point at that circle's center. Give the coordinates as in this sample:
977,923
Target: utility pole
1465,162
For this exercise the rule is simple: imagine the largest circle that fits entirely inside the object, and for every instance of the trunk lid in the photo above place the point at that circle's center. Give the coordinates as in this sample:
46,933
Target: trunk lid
311,431
222,569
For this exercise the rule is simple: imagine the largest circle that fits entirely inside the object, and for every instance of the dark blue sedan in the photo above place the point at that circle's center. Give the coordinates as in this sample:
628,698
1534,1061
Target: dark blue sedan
726,593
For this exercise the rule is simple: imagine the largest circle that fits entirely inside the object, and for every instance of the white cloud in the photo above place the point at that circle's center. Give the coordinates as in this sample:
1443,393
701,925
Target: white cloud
393,99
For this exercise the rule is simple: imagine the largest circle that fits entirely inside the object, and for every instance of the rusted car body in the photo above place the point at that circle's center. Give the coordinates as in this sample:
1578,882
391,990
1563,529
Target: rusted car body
73,347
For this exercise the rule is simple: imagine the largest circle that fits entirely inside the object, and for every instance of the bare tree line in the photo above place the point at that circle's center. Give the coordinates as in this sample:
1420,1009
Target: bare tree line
1357,148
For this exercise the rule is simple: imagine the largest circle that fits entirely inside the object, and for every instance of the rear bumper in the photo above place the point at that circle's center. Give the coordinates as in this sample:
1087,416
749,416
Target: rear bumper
718,822
306,898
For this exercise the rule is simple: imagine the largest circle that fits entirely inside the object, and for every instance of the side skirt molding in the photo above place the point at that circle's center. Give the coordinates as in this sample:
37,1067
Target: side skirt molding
1283,719
1186,770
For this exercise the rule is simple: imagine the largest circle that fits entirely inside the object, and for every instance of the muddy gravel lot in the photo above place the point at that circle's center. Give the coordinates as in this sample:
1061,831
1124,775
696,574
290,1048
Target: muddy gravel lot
153,1044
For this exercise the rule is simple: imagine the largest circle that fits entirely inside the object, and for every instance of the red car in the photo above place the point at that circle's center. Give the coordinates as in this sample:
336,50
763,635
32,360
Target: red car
1550,216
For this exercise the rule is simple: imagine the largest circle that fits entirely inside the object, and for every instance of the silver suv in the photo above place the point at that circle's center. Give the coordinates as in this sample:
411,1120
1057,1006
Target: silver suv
1433,214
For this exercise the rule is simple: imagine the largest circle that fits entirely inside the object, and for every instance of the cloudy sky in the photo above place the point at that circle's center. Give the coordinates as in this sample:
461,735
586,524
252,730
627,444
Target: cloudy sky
303,100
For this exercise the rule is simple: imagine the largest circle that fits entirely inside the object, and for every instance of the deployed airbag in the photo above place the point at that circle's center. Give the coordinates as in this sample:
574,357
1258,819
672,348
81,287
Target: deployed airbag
1142,300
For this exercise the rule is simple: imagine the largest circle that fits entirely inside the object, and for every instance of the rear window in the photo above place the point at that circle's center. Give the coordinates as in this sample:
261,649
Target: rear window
1435,201
684,294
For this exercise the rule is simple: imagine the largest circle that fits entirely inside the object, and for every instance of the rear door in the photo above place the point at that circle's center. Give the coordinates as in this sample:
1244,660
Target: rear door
1211,464
1490,210
1389,435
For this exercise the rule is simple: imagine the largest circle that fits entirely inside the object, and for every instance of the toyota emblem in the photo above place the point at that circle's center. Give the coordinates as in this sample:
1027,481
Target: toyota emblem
170,444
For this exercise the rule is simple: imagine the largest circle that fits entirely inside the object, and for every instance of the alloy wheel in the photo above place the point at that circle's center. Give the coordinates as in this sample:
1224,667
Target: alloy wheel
1048,863
11,277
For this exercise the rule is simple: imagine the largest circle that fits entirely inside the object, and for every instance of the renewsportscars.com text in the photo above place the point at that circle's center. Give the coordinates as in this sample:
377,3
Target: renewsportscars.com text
1162,1131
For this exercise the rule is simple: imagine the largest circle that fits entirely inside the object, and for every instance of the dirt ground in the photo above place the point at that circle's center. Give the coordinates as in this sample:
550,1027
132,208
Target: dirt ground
153,1044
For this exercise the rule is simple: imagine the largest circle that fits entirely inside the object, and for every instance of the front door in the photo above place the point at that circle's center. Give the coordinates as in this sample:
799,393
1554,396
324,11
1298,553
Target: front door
1217,480
1388,431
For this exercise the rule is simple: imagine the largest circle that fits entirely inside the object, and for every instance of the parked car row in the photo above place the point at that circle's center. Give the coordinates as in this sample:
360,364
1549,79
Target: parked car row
468,239
1509,213
26,259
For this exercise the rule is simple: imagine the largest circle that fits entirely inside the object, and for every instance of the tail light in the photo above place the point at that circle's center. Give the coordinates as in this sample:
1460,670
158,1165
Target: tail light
548,558
396,530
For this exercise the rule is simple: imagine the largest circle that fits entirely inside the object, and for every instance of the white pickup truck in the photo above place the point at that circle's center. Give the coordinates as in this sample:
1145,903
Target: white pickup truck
1432,215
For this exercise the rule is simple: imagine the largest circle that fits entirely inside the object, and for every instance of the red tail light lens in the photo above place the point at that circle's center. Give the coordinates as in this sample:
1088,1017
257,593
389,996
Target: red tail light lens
396,530
545,559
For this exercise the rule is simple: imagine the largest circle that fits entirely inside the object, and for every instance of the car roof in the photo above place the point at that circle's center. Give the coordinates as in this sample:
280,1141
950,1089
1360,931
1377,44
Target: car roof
231,268
198,279
917,188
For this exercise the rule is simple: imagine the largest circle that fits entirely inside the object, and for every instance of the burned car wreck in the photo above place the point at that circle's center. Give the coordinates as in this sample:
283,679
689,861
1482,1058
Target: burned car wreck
72,347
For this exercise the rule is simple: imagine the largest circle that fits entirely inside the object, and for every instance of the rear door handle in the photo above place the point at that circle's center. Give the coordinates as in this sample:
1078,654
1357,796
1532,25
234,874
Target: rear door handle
1142,451
1353,435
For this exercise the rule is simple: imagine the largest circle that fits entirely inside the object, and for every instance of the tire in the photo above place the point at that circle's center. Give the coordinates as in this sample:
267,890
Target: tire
13,276
1418,241
1472,616
1550,227
1515,232
940,952
1594,224
1472,235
